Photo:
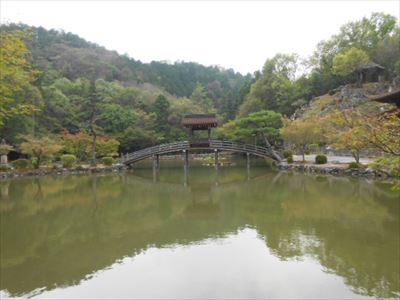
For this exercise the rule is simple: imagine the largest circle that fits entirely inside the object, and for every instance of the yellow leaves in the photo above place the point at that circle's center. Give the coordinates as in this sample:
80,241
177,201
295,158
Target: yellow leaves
44,146
303,131
16,74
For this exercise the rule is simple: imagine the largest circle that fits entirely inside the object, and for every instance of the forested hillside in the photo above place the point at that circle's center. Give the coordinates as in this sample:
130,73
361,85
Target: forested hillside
288,81
142,101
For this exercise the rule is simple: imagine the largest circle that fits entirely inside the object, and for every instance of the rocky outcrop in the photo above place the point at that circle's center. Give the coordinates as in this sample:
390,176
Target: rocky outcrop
61,171
331,170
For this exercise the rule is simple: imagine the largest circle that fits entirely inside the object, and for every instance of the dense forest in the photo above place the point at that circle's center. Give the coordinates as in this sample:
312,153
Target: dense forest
57,85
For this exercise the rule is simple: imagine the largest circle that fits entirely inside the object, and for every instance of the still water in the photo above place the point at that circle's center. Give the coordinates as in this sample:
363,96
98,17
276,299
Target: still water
225,234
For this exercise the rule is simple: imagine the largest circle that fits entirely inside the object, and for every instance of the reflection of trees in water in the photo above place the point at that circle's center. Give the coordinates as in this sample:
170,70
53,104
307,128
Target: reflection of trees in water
349,230
85,223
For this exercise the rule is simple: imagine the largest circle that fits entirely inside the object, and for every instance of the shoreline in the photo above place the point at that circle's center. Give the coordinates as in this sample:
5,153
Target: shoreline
333,169
328,169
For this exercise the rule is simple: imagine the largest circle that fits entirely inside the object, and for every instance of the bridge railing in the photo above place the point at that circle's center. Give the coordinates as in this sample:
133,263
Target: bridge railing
184,145
239,146
159,149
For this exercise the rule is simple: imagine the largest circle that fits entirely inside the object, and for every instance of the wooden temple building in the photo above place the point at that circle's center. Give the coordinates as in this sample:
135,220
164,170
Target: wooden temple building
199,122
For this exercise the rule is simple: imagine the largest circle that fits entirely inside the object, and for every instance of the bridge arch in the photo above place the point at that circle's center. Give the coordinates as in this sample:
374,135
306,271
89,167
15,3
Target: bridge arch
185,146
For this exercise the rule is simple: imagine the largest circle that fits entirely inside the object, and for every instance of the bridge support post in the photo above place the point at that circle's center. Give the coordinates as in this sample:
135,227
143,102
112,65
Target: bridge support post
216,158
186,159
248,165
185,166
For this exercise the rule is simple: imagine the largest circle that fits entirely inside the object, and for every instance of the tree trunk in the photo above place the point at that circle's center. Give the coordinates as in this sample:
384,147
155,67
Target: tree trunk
267,143
356,155
94,147
302,150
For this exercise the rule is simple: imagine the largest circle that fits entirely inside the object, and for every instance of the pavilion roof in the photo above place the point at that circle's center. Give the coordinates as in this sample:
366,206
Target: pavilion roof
370,65
390,97
193,120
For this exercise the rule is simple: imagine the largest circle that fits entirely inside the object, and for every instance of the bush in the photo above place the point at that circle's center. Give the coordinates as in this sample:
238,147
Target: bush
354,165
108,161
21,163
79,168
68,160
321,159
290,159
287,153
4,168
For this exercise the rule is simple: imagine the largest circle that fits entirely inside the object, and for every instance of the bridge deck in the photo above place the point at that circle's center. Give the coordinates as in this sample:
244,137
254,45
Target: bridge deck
215,145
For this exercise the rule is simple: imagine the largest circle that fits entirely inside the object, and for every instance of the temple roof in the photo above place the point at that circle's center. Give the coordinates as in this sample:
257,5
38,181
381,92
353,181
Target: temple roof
202,120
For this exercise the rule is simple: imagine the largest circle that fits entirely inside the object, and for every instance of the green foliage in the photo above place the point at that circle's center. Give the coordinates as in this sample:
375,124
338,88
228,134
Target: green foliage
348,61
21,163
80,168
287,153
77,144
5,168
290,159
354,165
133,139
107,161
16,75
303,132
321,159
200,97
389,164
68,160
263,123
107,147
275,88
39,148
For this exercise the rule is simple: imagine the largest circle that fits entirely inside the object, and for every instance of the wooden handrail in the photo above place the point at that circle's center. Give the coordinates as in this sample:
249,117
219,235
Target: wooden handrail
185,146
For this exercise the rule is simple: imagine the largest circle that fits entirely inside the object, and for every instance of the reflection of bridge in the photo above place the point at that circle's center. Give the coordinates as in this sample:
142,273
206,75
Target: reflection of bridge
184,147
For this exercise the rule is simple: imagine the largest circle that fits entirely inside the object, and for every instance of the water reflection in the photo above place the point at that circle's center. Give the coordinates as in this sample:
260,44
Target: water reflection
57,232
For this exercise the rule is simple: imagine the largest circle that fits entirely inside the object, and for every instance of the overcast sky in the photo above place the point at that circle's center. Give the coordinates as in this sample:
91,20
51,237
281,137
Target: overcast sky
233,34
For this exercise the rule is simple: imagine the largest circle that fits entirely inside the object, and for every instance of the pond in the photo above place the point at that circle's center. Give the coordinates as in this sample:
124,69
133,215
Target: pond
225,234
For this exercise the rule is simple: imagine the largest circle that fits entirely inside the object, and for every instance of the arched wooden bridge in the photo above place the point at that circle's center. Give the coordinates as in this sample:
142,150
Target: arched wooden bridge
185,147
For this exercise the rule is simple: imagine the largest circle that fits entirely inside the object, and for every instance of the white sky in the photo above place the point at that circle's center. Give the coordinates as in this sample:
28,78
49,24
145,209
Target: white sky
233,34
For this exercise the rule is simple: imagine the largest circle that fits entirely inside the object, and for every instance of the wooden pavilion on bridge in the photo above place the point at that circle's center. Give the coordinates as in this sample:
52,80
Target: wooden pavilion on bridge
195,122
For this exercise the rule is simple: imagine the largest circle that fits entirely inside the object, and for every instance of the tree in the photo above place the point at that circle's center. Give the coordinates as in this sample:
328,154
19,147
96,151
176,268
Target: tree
107,147
302,133
161,109
16,74
275,88
349,61
200,97
39,147
346,130
77,144
263,123
382,132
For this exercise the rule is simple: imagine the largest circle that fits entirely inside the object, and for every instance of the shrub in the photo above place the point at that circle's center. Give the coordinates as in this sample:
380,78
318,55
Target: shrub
21,163
331,92
4,168
353,165
108,161
79,168
290,159
287,153
321,159
68,160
